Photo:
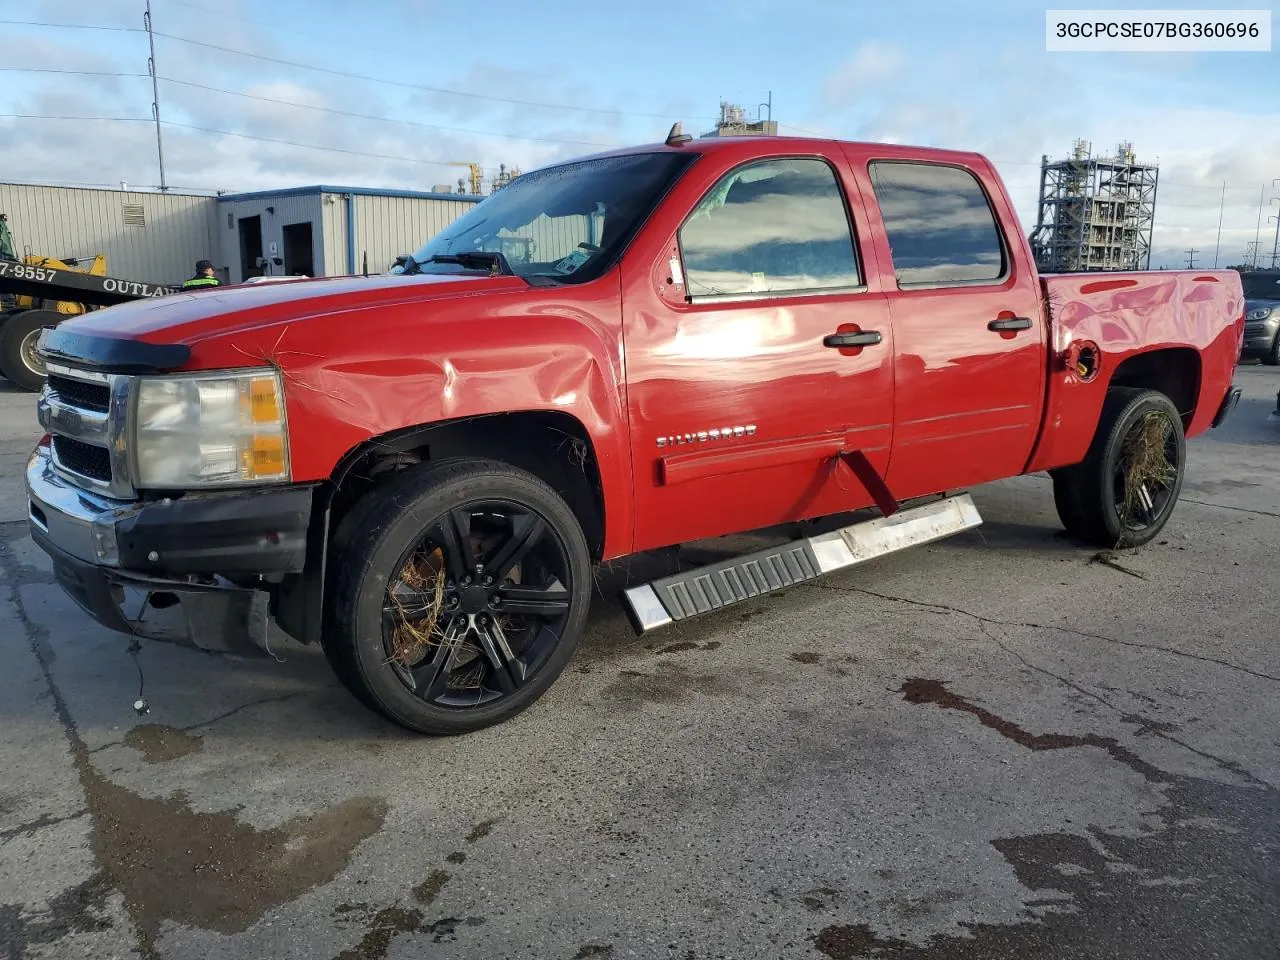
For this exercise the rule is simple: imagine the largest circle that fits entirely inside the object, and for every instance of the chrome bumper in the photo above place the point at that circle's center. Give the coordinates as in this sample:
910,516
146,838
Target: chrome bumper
79,523
77,529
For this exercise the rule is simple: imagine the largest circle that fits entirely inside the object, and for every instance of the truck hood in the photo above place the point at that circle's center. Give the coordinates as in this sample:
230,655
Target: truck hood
185,318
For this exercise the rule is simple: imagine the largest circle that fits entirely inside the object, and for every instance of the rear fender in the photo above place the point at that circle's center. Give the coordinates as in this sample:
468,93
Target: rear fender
1111,320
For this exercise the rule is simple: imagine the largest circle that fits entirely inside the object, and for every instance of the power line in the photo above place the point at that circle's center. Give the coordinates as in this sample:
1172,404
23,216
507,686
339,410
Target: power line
74,73
349,74
71,26
231,16
228,133
370,116
306,146
45,116
405,84
309,106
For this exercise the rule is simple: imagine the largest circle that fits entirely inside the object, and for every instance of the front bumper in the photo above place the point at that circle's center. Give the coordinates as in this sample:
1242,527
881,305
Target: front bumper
174,553
1260,337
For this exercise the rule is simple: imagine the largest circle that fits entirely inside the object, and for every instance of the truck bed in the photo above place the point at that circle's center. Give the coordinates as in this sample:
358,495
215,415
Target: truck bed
1117,317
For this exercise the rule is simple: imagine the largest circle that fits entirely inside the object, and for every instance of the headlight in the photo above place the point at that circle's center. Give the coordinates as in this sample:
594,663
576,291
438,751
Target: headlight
1260,313
210,430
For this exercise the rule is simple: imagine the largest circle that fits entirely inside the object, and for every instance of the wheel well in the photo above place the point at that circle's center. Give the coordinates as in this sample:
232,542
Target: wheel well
1174,371
552,446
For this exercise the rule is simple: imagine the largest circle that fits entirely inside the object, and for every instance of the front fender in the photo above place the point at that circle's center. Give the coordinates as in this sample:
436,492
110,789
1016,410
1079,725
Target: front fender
351,375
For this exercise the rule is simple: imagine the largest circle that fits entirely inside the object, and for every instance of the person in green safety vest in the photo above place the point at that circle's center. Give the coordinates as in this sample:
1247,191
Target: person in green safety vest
204,276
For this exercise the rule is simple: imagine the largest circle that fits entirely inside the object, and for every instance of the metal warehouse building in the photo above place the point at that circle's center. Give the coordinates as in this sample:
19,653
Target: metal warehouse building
151,237
157,237
328,231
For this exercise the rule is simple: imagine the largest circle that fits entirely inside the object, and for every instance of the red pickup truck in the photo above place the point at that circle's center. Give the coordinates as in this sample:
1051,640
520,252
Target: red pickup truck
418,470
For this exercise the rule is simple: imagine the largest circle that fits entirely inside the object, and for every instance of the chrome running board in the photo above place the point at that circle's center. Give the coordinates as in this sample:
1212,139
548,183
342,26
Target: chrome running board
713,587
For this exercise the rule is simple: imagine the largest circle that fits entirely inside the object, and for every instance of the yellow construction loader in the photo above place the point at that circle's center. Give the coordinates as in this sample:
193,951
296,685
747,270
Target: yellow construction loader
95,266
36,292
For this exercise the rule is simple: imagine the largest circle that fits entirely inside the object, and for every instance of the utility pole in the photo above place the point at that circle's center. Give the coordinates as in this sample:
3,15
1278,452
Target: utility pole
1251,254
1257,234
1275,250
1222,206
155,94
1191,258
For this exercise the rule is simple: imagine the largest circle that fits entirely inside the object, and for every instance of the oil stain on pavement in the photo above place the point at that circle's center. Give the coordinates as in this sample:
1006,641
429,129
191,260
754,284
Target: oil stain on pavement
160,744
212,870
1205,883
169,862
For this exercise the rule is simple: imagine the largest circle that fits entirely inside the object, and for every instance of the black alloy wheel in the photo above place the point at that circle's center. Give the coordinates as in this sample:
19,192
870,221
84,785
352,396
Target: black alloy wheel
459,594
1124,491
478,605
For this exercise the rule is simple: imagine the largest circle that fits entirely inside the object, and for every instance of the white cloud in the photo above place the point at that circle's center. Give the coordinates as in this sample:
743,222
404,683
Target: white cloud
872,65
1053,103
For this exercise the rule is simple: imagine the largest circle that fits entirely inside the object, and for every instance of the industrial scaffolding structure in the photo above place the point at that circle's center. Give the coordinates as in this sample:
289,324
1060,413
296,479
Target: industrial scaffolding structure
1096,213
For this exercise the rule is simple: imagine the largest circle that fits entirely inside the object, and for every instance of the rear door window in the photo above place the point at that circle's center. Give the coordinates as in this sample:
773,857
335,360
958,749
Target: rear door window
769,228
940,226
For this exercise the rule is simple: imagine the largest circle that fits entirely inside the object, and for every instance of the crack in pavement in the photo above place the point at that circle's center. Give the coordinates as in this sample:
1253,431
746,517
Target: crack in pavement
244,706
33,826
1147,725
1223,506
929,605
212,720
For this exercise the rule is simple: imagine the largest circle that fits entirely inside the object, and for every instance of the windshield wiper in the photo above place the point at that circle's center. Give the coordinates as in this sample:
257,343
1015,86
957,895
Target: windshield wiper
542,280
476,259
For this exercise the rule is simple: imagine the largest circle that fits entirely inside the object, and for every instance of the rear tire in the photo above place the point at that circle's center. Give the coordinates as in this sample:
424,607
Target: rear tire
1124,491
18,336
459,595
1066,498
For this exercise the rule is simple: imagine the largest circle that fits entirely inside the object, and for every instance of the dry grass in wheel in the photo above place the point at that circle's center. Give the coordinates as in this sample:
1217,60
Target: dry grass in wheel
416,631
1147,462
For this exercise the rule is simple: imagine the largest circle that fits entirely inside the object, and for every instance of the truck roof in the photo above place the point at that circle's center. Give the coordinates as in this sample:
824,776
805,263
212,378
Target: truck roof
745,147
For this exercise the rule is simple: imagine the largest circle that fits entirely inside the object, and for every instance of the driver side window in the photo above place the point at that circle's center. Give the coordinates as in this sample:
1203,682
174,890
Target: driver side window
773,227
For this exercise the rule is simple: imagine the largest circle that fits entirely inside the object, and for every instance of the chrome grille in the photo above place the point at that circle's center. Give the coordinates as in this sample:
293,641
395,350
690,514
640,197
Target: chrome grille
79,393
83,459
86,413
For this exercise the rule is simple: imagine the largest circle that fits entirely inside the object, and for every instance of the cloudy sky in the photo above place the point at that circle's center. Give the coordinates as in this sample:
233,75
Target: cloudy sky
408,86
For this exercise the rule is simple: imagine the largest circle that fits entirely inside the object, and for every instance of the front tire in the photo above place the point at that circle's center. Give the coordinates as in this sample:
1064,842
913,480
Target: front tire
18,336
460,594
1124,491
1272,357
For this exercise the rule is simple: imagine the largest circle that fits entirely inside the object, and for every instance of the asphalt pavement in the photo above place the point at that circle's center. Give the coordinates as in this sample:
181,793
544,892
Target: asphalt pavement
1004,745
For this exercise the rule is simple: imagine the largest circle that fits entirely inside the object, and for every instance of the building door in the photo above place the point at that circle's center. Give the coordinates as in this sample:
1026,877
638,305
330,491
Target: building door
298,259
250,247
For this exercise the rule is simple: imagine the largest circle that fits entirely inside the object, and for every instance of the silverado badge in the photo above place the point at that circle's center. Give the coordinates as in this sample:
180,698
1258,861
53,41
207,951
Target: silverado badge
706,436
